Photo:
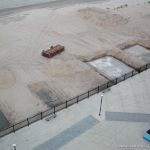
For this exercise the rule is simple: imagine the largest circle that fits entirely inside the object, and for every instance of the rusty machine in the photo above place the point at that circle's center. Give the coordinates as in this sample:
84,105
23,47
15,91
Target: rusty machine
54,50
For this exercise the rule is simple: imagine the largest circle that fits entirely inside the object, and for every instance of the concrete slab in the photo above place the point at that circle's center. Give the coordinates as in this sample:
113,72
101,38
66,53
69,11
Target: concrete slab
111,136
125,116
140,52
69,134
110,67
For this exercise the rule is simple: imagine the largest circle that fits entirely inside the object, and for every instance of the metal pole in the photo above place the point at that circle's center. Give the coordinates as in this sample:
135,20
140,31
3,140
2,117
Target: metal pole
14,146
100,105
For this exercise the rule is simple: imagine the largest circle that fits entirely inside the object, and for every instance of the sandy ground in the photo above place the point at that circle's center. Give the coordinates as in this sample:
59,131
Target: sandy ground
87,31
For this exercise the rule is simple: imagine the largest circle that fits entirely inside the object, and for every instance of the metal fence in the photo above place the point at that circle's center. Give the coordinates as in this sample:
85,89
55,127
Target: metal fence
52,111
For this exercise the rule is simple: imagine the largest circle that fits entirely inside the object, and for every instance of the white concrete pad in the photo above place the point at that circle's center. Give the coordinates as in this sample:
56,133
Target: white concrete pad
140,52
110,67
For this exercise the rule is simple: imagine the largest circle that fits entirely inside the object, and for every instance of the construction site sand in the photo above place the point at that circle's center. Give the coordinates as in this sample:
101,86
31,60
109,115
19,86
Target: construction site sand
7,78
66,75
102,17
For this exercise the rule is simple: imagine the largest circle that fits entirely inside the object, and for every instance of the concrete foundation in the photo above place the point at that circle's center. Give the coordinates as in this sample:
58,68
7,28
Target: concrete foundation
140,52
110,67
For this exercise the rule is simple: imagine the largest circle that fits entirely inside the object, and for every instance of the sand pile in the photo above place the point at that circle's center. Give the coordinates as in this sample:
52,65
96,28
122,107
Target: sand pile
101,17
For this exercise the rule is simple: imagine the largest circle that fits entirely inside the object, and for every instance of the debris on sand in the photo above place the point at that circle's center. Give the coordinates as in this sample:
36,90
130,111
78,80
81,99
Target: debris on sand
122,6
101,17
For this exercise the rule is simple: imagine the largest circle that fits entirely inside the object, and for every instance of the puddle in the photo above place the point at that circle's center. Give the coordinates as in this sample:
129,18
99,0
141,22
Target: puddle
4,123
110,67
140,52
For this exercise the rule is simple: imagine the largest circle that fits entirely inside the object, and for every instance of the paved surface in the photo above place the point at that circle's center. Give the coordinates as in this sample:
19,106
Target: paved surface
69,134
124,116
131,96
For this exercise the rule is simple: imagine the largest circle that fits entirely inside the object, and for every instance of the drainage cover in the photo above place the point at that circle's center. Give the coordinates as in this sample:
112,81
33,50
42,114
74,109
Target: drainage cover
110,67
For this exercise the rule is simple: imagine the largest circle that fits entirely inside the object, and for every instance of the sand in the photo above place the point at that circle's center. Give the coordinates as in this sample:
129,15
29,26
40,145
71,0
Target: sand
88,31
102,18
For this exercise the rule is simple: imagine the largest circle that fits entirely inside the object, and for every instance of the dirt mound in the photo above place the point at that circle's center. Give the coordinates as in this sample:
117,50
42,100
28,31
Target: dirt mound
101,17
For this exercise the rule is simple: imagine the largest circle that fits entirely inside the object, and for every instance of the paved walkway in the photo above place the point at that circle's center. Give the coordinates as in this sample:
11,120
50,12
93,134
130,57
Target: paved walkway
69,134
124,116
128,97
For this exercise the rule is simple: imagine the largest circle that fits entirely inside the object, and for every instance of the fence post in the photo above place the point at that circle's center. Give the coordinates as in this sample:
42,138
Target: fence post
66,105
132,73
116,80
124,76
54,111
140,70
77,99
146,66
14,128
41,116
98,89
107,84
28,121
